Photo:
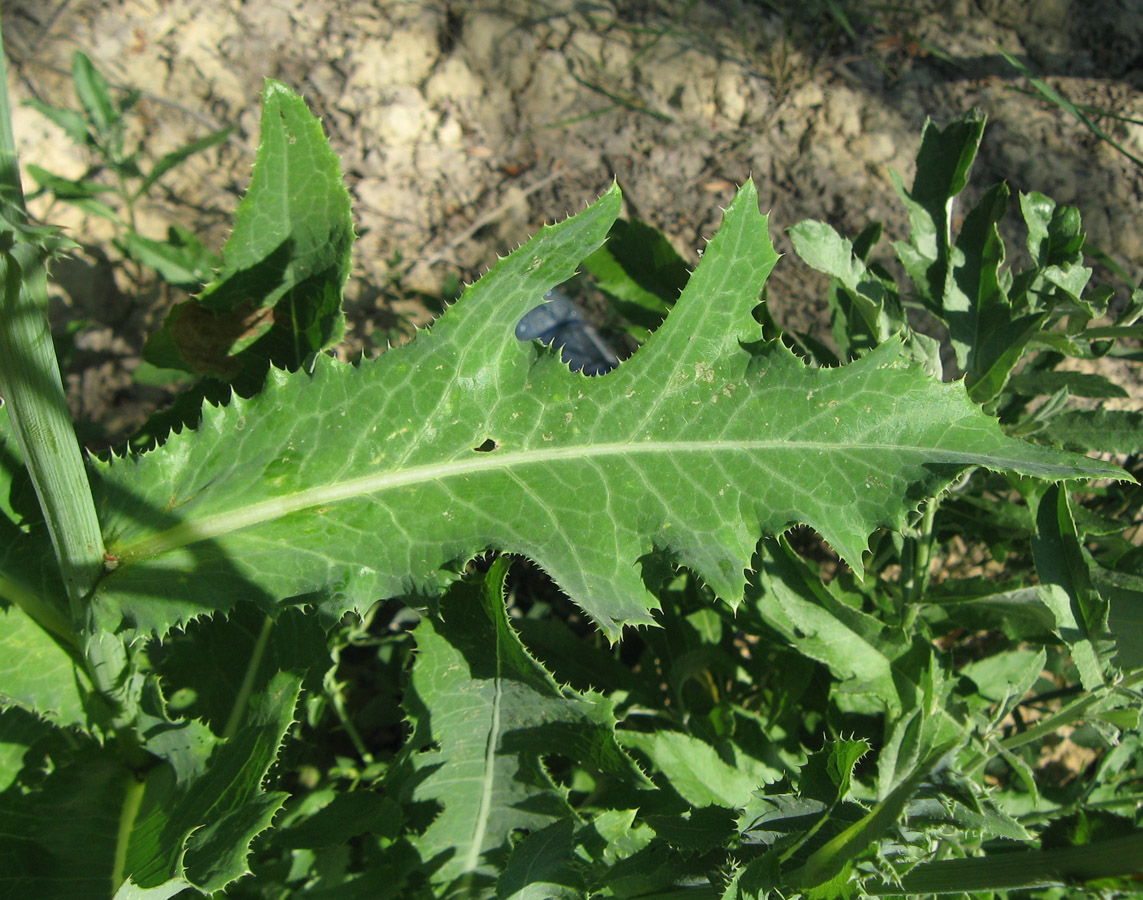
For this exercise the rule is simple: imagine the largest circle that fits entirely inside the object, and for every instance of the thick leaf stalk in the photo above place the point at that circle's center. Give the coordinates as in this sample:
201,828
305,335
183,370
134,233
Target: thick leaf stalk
33,390
1062,866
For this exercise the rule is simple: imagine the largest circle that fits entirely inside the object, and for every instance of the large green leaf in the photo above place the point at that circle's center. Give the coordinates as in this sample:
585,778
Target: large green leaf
59,842
37,673
94,827
350,483
200,812
493,712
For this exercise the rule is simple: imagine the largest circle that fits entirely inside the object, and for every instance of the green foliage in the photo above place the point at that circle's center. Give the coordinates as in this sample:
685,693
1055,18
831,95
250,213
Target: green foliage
459,622
277,295
100,126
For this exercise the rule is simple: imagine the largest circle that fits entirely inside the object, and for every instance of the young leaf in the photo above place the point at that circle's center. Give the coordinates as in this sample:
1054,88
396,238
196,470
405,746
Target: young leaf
783,597
695,769
290,250
1065,585
294,224
73,123
175,264
943,162
95,95
975,294
865,309
351,483
988,335
175,157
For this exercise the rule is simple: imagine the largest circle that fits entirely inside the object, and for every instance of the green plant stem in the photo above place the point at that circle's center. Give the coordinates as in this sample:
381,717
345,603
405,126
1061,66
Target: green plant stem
1115,331
238,711
1033,869
351,731
916,565
1065,716
1049,725
33,392
128,813
44,613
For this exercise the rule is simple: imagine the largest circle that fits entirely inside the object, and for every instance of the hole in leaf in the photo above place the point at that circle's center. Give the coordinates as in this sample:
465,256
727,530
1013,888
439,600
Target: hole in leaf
487,447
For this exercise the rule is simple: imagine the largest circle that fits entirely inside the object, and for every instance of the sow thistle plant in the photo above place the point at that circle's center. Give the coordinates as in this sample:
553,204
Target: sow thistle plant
295,650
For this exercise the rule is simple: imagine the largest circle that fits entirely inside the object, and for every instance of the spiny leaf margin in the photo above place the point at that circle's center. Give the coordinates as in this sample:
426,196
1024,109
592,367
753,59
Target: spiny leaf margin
351,483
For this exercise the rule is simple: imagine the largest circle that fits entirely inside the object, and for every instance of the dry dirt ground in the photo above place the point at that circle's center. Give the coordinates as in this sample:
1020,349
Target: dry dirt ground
463,126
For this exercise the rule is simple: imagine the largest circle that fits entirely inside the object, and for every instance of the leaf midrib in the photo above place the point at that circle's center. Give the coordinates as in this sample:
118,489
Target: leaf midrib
220,524
488,776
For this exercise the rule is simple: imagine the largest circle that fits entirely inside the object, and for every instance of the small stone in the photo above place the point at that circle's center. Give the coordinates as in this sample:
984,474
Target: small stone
807,96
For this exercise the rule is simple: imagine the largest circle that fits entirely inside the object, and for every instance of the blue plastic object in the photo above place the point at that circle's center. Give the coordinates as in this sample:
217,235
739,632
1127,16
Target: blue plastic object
559,322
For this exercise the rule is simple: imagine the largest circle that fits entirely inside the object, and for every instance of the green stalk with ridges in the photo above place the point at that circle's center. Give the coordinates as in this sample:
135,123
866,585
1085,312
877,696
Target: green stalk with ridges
32,389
